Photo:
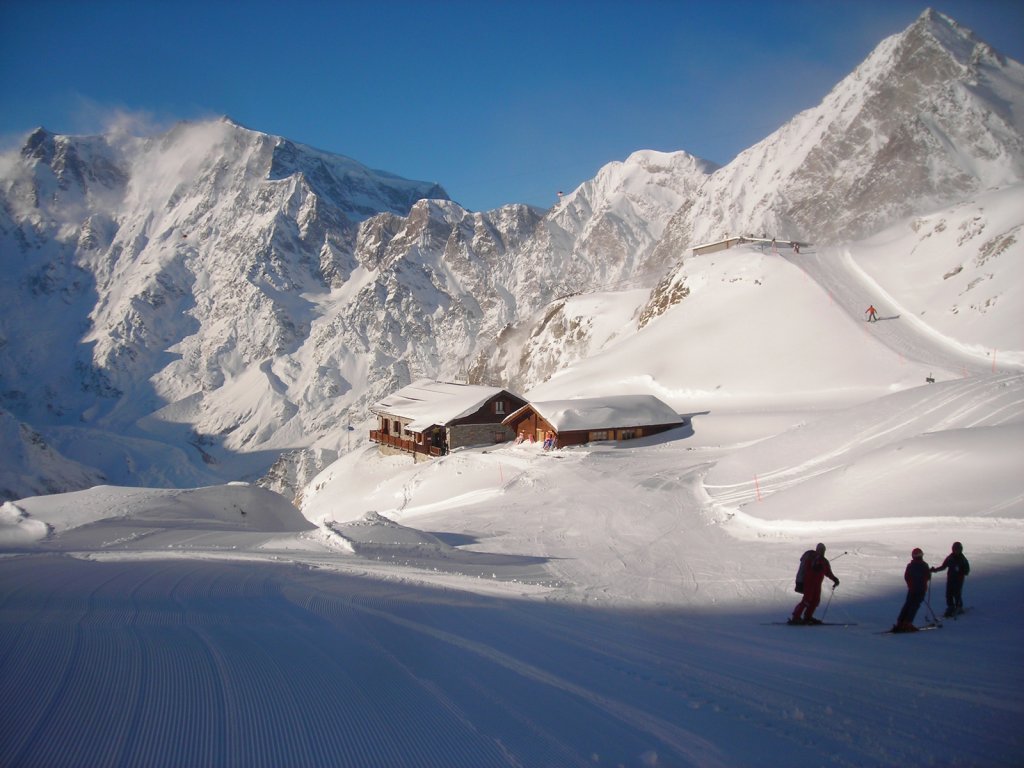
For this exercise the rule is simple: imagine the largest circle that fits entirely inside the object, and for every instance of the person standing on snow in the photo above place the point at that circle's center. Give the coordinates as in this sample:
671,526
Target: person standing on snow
957,568
871,312
917,575
814,568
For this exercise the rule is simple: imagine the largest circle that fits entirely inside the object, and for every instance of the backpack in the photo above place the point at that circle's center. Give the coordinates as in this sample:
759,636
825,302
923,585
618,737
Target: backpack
805,560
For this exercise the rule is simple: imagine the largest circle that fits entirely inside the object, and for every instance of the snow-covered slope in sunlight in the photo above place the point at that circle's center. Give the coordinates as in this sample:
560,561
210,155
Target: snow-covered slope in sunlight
960,271
752,329
237,507
948,450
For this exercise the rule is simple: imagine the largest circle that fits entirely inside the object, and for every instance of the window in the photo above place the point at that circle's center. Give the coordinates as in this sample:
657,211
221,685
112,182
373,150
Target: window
599,435
627,434
499,406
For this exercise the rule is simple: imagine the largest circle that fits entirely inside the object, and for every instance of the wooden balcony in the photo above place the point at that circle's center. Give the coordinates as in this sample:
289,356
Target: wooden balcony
409,446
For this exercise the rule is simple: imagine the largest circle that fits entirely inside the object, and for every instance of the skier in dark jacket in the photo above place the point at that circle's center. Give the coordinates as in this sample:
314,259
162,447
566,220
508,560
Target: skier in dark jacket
815,567
917,575
957,568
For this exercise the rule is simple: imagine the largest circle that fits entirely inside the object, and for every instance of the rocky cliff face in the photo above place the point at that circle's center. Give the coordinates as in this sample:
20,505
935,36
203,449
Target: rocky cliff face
151,281
599,238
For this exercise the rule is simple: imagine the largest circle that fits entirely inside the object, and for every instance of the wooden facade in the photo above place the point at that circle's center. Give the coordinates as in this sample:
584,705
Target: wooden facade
530,424
419,425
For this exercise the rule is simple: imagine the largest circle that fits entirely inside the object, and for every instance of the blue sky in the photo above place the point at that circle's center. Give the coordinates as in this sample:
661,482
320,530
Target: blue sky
499,102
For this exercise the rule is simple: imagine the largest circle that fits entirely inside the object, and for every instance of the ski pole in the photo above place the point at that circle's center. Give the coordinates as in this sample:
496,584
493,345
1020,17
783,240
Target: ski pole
928,602
825,612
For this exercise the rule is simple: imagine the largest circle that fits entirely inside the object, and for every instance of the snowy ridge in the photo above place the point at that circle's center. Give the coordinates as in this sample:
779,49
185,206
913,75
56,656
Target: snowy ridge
601,235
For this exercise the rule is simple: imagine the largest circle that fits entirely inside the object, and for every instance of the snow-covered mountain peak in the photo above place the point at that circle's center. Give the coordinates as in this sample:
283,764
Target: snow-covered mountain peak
951,37
658,179
932,115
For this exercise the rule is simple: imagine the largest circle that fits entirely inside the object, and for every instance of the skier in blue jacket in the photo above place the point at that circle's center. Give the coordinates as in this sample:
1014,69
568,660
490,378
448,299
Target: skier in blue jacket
957,568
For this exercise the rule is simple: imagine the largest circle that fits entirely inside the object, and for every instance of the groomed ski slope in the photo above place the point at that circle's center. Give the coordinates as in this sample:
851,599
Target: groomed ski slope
605,605
213,662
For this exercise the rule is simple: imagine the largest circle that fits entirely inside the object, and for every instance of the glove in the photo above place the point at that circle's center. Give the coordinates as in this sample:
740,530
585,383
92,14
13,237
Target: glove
835,583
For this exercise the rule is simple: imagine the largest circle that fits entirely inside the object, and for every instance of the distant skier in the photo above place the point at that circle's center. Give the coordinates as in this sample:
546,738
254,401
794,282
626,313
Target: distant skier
917,575
957,568
871,311
814,567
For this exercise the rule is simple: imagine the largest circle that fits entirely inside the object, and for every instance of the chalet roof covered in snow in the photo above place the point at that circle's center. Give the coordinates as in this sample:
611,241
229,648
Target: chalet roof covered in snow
429,402
613,412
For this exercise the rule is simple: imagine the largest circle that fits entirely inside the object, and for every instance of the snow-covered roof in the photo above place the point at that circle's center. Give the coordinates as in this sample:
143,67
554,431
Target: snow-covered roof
429,402
613,412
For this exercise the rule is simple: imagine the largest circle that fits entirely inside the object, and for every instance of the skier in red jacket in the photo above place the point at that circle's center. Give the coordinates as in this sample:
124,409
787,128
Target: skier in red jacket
815,568
918,574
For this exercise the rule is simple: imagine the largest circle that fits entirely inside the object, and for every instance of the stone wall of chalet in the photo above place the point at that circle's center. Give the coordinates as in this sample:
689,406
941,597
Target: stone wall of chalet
461,435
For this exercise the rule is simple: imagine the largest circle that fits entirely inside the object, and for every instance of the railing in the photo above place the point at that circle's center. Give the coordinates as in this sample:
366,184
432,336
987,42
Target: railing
402,444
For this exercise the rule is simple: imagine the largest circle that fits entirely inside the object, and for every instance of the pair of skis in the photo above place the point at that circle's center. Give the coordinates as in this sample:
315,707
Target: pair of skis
893,631
937,624
851,624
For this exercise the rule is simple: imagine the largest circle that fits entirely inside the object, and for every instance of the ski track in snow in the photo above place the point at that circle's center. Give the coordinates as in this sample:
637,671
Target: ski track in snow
849,287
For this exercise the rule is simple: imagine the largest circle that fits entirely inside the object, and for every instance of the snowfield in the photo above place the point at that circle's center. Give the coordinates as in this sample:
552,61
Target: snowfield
613,604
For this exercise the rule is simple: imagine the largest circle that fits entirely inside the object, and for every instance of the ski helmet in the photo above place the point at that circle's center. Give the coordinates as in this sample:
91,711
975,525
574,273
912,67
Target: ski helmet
958,547
820,549
917,553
